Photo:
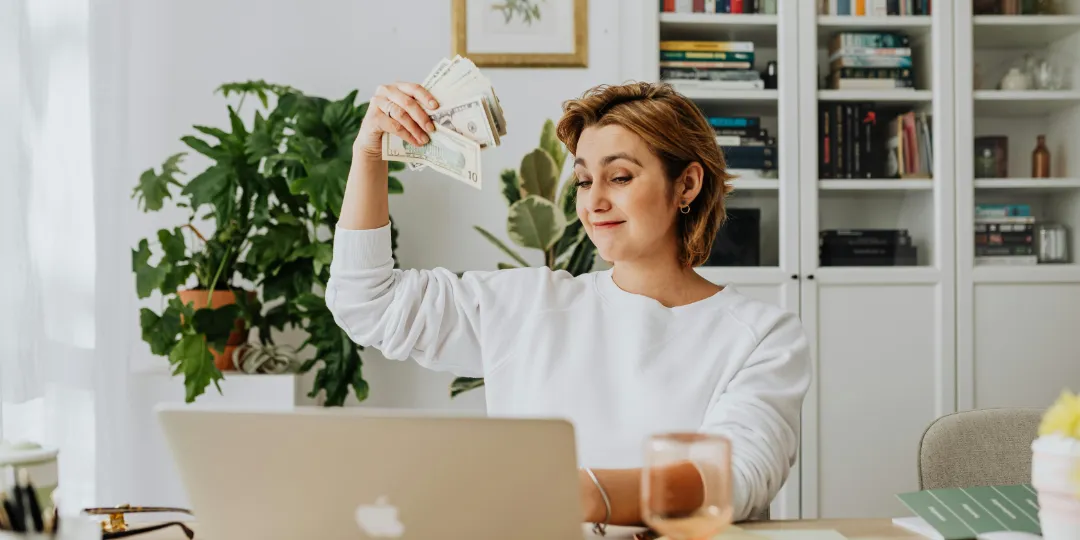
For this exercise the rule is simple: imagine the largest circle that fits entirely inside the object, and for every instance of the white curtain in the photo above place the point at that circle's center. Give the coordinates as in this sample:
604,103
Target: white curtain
47,237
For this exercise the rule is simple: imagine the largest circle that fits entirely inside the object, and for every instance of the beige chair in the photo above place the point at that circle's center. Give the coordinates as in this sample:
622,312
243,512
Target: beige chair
978,448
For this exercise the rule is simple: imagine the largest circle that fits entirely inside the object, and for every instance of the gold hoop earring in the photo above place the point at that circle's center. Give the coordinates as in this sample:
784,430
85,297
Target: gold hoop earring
685,209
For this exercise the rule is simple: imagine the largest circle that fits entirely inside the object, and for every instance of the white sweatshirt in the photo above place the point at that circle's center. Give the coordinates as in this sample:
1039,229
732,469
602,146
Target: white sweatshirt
617,365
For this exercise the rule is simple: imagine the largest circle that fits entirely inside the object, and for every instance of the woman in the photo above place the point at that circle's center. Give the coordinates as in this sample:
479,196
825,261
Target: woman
648,346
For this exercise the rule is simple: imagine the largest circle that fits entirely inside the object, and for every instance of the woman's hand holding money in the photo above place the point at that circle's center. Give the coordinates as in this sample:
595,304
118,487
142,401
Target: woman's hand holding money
398,109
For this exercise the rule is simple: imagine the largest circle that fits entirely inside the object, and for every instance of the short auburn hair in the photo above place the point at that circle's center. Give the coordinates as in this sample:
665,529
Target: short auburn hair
678,134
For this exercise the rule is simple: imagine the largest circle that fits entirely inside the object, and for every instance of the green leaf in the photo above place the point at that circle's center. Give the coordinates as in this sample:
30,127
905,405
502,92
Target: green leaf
282,242
310,148
147,277
339,356
217,133
505,266
572,234
153,188
394,186
172,243
292,279
535,223
191,358
499,244
260,213
264,140
551,144
206,187
324,254
582,259
216,324
215,153
239,130
567,195
160,331
464,384
338,115
511,185
324,185
393,241
538,174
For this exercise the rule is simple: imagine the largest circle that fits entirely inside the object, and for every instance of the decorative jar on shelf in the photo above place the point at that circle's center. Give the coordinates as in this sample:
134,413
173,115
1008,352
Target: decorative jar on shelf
1015,79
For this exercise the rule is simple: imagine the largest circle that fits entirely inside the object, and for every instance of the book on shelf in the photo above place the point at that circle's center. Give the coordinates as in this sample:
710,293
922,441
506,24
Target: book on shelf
875,8
866,247
1005,235
869,61
863,140
763,7
744,143
709,65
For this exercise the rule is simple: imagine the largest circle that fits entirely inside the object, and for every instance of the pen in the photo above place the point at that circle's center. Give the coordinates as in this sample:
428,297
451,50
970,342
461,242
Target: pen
13,515
5,523
32,507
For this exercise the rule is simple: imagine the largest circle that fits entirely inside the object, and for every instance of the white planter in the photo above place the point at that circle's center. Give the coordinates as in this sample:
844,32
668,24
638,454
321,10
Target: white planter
1055,474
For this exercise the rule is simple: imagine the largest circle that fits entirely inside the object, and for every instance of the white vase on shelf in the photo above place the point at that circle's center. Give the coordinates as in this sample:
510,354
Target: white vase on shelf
1015,80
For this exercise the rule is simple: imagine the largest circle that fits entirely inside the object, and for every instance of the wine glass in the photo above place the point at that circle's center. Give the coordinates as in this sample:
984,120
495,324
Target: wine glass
686,485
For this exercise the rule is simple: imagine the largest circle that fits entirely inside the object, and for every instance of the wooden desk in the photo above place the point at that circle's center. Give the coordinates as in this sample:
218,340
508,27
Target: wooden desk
853,529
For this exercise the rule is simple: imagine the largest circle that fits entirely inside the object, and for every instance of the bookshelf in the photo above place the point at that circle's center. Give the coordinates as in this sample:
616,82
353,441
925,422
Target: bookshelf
992,291
894,347
853,419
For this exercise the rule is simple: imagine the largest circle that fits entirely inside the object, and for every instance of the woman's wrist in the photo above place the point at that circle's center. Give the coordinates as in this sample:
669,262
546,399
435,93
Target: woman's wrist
591,500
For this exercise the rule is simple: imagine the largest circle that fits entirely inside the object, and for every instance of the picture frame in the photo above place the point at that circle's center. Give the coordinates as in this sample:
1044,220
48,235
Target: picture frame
516,33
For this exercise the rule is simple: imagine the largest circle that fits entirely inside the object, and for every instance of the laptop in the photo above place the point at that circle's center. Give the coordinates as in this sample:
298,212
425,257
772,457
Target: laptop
356,473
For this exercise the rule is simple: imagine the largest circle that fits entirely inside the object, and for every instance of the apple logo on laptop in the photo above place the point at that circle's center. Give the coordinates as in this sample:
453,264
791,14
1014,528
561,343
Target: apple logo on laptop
379,519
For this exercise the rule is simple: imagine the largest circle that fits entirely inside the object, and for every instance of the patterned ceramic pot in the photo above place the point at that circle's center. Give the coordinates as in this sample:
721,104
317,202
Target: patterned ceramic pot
1055,474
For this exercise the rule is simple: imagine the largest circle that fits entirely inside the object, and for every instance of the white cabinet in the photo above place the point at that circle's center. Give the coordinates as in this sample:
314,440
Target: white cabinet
882,376
896,346
1017,338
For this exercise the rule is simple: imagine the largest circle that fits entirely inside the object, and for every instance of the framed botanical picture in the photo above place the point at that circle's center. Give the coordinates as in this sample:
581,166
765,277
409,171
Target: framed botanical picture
522,33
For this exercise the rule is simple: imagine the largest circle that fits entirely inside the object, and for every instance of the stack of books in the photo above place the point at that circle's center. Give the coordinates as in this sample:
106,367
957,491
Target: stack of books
709,65
765,7
866,247
1005,234
874,8
744,143
862,140
870,61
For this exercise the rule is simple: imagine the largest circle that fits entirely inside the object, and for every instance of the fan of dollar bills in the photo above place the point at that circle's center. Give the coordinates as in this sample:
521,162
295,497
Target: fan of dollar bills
469,118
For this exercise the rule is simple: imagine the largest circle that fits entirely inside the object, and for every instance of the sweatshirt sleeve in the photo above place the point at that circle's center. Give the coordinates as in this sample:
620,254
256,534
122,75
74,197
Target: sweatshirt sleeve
431,316
760,412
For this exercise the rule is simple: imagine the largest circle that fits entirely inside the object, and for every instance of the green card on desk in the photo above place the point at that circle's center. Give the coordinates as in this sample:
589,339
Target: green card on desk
961,514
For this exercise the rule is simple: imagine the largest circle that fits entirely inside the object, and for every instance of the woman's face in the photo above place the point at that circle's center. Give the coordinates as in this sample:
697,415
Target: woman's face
624,201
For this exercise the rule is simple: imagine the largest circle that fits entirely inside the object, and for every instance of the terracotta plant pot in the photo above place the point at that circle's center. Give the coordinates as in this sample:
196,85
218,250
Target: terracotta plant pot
223,361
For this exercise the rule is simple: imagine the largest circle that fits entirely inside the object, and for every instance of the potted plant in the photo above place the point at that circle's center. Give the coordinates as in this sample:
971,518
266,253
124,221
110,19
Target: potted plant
271,194
541,216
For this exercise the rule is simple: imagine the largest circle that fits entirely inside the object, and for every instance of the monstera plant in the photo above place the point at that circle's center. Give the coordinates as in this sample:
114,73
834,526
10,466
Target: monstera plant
541,216
271,193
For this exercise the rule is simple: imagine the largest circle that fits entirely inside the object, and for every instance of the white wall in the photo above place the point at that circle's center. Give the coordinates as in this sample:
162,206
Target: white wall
158,63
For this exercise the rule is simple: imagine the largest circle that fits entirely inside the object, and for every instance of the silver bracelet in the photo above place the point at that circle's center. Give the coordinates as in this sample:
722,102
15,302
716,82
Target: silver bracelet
601,528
